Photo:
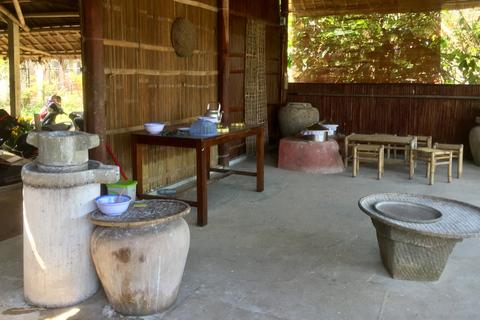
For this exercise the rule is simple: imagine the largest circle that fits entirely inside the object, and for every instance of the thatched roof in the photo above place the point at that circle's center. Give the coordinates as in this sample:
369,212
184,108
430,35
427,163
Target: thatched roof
313,8
49,29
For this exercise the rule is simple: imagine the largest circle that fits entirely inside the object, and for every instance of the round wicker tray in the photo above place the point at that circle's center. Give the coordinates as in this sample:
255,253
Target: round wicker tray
143,213
459,219
184,37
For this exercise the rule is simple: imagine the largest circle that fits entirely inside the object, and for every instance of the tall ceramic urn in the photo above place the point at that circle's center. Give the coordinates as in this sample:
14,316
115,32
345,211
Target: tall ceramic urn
296,116
59,190
474,139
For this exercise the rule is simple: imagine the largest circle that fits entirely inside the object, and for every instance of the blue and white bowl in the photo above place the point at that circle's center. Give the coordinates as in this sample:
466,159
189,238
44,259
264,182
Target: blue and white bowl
106,204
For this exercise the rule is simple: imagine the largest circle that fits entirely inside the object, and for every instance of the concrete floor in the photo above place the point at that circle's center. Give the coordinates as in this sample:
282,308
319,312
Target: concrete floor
302,249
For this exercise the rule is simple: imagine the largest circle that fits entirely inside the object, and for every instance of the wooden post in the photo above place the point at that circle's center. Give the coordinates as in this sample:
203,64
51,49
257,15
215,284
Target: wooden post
93,75
223,72
14,64
284,35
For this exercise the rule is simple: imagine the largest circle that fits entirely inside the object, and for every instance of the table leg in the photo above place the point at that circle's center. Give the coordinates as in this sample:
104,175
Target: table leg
260,161
450,167
207,155
346,151
411,161
137,172
354,162
202,206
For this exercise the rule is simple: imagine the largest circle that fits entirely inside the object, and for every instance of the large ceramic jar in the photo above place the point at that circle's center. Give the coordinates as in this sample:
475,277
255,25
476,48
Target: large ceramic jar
296,116
475,143
140,255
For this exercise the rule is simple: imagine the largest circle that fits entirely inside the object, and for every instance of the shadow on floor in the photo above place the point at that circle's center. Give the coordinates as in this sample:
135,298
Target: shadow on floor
11,200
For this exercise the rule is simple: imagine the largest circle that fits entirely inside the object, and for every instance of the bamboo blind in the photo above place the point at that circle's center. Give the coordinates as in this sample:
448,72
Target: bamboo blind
255,80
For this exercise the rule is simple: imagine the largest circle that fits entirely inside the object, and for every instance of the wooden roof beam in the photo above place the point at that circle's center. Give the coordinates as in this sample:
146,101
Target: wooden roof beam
69,14
18,9
28,49
31,41
10,1
14,20
72,29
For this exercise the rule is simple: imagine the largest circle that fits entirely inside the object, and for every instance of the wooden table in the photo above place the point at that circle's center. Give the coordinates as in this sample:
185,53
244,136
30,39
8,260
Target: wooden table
202,146
391,142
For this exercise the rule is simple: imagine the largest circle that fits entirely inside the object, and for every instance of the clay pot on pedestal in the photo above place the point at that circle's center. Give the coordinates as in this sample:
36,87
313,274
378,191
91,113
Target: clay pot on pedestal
474,138
296,116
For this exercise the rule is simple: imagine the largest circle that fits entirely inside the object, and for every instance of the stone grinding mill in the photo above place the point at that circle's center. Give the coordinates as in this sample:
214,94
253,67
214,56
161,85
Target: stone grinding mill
59,189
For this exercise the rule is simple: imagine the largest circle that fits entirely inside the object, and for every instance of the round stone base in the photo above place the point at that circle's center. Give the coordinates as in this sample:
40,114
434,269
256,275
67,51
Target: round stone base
297,154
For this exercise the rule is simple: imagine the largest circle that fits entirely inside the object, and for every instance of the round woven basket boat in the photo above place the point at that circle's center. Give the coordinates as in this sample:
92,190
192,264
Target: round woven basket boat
184,37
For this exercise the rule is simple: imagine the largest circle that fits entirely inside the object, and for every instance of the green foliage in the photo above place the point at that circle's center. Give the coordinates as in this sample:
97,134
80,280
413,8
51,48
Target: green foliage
460,43
21,126
34,95
4,69
386,48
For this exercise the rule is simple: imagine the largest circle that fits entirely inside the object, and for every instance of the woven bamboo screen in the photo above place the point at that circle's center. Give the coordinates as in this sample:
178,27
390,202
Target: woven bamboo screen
255,80
146,81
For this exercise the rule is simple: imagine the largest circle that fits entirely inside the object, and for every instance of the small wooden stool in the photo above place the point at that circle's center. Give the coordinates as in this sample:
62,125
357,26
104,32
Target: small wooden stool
433,158
424,141
457,153
368,153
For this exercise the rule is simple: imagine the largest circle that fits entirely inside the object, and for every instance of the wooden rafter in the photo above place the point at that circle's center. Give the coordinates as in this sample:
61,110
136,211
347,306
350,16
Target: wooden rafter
70,14
28,49
14,20
71,29
18,9
10,1
32,41
65,40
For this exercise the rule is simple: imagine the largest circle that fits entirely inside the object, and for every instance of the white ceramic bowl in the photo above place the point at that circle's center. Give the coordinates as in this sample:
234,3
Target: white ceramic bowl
154,127
107,205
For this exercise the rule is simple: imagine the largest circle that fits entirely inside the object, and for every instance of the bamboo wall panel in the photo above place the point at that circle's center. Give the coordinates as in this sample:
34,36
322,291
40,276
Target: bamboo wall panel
236,97
238,25
237,64
273,78
445,112
147,82
266,10
237,31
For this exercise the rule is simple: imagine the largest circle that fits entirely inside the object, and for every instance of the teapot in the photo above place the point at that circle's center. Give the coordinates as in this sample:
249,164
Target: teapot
214,113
